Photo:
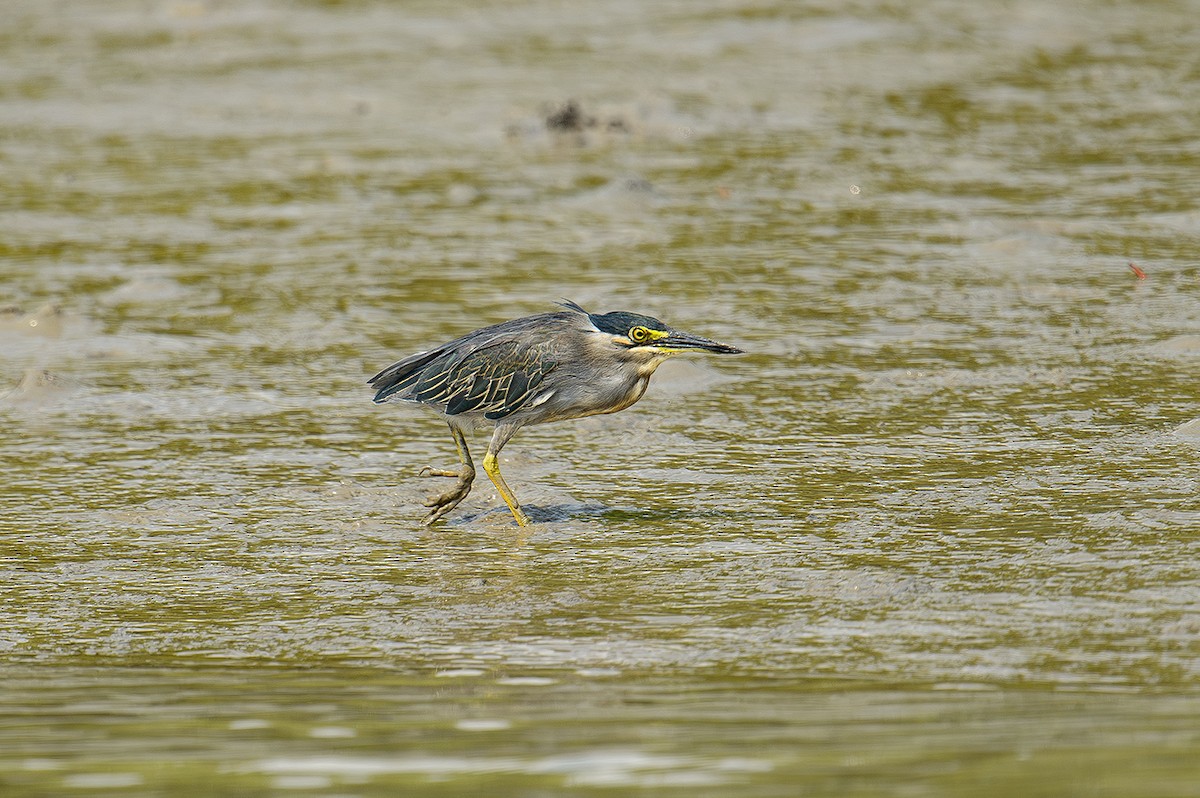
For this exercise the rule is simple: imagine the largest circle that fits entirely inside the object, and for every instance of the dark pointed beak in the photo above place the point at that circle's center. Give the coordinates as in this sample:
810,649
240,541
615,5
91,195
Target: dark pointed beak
682,340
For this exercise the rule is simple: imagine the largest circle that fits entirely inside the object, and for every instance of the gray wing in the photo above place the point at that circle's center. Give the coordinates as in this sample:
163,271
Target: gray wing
496,380
491,371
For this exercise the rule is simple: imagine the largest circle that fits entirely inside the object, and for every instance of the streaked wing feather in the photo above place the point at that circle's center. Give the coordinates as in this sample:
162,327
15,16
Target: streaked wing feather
496,379
522,388
490,370
400,377
466,401
436,385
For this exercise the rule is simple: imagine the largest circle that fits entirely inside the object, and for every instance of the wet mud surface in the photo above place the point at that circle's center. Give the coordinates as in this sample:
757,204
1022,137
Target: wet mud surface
934,534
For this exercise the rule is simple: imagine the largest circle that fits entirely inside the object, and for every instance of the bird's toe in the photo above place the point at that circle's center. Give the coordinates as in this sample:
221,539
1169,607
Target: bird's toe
437,512
442,503
430,471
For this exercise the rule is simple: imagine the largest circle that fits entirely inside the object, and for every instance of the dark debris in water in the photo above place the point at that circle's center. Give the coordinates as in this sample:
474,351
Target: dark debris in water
571,117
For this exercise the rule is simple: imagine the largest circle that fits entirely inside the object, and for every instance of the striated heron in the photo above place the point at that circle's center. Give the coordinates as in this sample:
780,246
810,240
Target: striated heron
548,367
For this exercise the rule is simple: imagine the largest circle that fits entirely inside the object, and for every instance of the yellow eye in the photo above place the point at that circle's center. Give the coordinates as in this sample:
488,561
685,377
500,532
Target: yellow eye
639,335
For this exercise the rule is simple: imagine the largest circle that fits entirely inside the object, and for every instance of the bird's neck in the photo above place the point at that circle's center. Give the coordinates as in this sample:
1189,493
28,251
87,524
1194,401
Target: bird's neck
635,391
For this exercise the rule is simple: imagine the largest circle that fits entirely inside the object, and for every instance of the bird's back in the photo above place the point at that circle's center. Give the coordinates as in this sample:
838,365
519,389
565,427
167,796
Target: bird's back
493,371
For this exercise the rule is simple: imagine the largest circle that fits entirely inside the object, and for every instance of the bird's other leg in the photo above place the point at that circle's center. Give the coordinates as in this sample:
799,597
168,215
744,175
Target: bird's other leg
464,458
443,503
491,464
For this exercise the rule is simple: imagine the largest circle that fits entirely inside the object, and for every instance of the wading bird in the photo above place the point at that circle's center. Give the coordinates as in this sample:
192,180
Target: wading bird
548,367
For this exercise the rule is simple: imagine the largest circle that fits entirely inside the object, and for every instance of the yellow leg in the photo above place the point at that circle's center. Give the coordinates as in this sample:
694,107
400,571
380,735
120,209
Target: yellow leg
491,465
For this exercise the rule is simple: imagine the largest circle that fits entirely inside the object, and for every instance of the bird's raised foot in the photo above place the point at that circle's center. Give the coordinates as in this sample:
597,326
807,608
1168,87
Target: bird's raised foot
442,503
430,471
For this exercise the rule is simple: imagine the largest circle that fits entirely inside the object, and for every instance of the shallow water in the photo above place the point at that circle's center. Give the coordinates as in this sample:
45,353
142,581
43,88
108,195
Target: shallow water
935,534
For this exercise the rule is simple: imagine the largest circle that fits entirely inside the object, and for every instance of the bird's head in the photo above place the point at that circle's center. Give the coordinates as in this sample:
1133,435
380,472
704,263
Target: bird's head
646,339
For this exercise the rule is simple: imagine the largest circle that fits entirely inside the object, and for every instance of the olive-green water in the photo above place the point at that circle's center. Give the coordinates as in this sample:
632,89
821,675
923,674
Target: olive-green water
936,534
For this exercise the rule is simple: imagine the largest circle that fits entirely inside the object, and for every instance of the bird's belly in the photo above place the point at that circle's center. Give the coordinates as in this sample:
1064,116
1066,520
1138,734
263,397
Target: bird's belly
587,400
